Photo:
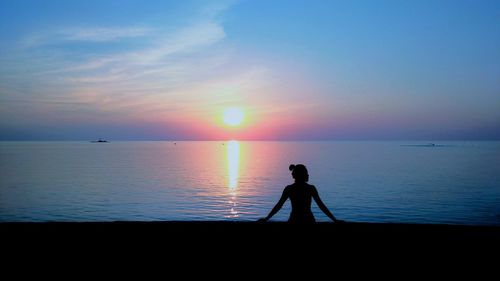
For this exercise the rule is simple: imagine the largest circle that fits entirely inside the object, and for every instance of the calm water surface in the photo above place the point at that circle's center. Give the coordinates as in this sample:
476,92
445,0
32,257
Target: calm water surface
458,182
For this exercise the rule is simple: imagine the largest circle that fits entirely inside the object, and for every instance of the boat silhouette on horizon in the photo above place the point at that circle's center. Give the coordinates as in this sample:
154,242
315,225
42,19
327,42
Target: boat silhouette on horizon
426,145
99,140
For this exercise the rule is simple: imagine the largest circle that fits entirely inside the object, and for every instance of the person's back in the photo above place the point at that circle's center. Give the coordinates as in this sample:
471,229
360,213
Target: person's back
300,195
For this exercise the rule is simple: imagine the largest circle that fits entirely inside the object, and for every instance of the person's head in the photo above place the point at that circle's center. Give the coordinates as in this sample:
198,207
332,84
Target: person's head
299,172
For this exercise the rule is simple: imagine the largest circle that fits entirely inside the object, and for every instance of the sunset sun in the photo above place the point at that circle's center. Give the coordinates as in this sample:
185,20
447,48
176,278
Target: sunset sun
233,116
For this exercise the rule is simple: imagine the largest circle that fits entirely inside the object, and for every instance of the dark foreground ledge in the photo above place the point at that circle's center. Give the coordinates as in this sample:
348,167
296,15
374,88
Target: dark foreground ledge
209,232
222,243
214,228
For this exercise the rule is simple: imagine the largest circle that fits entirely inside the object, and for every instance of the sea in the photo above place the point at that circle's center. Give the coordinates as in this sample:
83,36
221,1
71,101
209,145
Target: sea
446,182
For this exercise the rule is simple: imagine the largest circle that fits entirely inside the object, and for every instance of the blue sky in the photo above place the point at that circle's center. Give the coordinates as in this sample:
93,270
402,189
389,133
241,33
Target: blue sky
305,70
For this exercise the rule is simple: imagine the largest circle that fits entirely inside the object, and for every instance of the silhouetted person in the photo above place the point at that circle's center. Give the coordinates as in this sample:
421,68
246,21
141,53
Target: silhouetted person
300,194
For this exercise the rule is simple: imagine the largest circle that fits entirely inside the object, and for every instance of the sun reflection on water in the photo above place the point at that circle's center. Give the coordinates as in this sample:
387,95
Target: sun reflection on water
233,163
233,169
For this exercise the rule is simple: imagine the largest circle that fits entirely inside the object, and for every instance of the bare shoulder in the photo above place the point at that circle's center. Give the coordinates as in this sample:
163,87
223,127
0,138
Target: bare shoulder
313,188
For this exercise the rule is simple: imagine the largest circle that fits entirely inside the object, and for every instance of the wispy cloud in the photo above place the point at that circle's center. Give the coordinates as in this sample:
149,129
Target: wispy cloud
186,40
83,34
128,79
162,62
214,9
103,34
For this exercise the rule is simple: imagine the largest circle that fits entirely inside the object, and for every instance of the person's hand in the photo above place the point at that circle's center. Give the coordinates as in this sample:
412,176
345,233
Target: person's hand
262,220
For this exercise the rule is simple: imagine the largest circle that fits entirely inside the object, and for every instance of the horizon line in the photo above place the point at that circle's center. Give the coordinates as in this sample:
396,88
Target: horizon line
246,140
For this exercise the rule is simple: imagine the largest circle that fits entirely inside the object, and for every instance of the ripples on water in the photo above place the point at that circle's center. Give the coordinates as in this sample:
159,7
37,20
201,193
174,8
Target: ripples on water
455,182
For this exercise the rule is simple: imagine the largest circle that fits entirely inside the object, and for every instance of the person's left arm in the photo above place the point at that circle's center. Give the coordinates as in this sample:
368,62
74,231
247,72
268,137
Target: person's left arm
322,205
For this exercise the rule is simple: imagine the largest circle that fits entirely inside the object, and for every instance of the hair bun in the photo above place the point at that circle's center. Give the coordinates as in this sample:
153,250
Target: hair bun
291,167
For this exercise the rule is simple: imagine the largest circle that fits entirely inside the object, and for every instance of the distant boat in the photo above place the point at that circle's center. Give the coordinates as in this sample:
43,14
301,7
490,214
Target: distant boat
100,140
425,145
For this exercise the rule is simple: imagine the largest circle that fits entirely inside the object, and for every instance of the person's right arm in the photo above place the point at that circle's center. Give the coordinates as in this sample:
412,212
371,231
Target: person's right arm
278,205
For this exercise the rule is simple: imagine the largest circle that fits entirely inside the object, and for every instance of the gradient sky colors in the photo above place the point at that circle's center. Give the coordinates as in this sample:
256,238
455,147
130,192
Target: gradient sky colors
300,70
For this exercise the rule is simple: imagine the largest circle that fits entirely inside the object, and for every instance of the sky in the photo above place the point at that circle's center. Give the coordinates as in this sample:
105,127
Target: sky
297,70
